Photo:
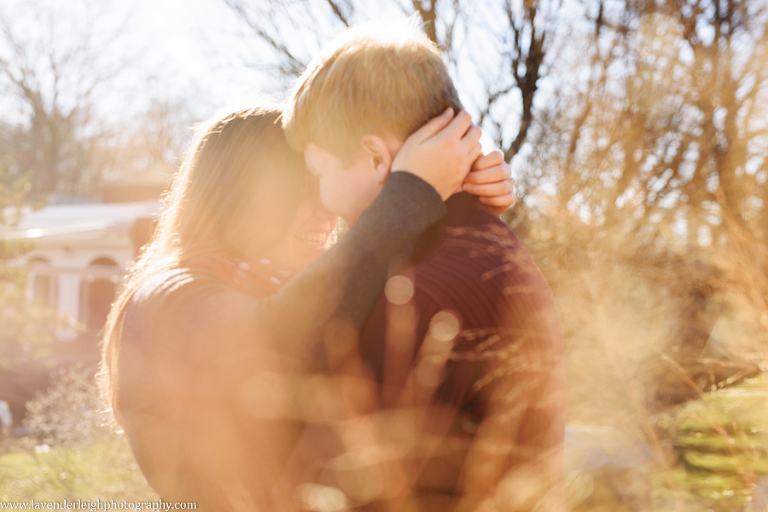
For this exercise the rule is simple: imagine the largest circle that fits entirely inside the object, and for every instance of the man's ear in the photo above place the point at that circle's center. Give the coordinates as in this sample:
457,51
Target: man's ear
376,149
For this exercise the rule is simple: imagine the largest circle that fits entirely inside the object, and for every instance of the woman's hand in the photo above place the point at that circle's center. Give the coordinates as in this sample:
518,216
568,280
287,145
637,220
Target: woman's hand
441,152
491,180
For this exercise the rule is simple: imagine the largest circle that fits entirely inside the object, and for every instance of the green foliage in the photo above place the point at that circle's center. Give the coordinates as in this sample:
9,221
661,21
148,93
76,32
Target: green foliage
722,445
26,329
70,413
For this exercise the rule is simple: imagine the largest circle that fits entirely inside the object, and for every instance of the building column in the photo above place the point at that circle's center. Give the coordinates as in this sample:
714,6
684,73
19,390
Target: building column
68,306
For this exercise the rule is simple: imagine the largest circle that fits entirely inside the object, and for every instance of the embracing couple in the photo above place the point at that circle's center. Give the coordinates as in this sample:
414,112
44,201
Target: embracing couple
415,365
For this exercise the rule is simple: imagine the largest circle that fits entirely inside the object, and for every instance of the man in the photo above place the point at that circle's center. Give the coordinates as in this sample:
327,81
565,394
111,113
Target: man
467,330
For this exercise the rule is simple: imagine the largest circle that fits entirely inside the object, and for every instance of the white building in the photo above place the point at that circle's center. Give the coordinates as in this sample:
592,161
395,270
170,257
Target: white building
80,254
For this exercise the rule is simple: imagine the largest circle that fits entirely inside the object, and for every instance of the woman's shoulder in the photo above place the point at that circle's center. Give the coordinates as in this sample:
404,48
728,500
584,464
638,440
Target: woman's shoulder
191,314
174,285
172,297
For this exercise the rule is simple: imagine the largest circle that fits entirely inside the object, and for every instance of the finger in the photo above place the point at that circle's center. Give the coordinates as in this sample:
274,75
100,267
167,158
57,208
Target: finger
475,152
433,126
505,201
491,175
472,137
491,159
458,126
498,189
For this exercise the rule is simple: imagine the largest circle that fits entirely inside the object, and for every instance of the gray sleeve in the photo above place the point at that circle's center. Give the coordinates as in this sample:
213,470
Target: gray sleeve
348,279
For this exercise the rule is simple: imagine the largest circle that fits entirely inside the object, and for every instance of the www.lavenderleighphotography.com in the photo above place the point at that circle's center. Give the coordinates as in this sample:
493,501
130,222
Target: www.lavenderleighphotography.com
390,256
94,505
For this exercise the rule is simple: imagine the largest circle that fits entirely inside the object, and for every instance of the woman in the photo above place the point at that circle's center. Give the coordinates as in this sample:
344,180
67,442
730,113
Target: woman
205,346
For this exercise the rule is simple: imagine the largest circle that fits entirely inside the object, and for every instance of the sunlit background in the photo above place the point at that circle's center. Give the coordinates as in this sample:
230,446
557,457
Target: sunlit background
638,134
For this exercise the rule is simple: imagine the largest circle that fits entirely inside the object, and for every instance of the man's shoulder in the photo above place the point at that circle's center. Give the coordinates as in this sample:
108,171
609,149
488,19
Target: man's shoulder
478,254
480,270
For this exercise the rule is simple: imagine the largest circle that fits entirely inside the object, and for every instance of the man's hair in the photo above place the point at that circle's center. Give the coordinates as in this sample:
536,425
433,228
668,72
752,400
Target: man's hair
368,80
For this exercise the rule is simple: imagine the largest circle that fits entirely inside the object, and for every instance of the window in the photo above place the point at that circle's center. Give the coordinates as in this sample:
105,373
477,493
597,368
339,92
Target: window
97,291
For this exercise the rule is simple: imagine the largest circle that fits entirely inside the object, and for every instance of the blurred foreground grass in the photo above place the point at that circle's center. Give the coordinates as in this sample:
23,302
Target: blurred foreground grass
719,445
711,454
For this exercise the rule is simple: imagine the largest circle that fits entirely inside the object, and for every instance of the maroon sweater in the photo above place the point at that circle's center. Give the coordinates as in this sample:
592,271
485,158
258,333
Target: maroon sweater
504,376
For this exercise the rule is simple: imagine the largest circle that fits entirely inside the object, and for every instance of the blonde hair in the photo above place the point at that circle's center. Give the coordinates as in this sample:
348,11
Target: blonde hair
236,191
370,79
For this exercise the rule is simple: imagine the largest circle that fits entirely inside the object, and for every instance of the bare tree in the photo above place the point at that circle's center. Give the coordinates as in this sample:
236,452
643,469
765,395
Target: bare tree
669,124
655,153
55,62
154,140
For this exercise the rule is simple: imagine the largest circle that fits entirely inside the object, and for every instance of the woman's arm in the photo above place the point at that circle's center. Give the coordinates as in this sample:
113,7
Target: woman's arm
348,278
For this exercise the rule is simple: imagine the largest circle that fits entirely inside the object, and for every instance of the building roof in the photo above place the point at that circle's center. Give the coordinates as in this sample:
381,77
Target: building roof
84,221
